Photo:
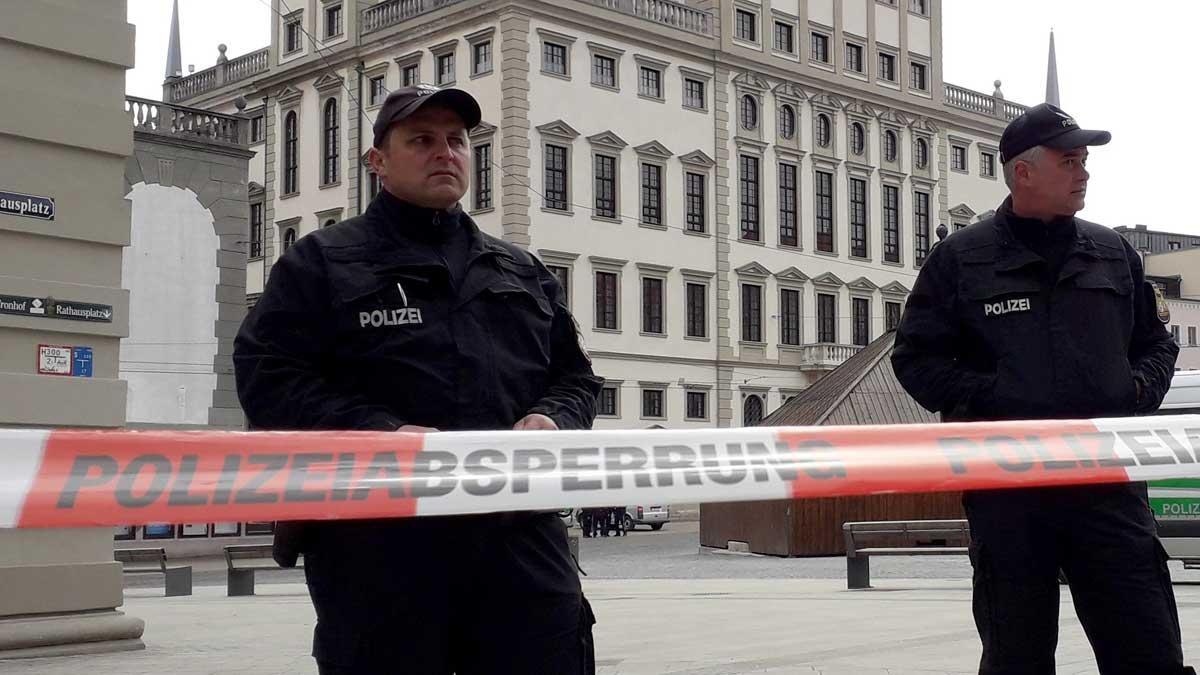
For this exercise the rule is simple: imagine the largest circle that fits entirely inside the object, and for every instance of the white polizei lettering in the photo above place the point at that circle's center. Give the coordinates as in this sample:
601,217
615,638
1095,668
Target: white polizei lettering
392,317
1007,306
364,319
377,318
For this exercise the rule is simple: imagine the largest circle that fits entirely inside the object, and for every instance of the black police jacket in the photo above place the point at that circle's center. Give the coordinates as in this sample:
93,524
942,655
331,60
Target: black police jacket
986,336
364,326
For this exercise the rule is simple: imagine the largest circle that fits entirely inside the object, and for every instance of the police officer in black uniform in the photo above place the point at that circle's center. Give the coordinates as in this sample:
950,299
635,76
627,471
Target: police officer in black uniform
409,318
1036,314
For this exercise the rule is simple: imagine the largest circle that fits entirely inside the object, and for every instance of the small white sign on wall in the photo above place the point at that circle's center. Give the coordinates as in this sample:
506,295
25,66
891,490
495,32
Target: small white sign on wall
54,360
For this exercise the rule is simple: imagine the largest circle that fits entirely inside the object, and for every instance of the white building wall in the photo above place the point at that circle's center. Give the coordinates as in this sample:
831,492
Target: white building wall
1185,315
887,27
919,40
820,11
170,268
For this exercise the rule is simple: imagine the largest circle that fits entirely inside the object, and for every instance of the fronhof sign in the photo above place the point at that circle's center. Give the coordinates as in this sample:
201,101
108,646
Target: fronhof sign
28,206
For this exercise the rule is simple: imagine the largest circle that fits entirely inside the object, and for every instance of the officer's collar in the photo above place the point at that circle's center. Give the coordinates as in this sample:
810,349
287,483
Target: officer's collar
416,222
1005,219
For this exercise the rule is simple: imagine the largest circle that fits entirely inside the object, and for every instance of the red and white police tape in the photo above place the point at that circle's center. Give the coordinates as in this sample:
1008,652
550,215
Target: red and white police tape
103,478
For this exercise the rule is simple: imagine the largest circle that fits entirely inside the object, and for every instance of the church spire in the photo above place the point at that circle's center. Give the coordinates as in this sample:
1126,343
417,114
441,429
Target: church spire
174,59
1052,75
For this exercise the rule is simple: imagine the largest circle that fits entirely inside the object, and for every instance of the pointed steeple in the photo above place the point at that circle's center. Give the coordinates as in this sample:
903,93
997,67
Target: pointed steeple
1052,74
174,59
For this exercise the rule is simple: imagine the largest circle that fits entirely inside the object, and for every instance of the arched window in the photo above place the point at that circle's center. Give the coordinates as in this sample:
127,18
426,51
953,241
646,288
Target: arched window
824,130
290,148
289,238
752,411
329,223
922,154
329,145
889,145
858,139
749,112
787,121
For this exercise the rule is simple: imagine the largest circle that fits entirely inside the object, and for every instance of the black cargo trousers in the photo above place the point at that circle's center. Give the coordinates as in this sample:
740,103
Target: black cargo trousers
494,594
1103,538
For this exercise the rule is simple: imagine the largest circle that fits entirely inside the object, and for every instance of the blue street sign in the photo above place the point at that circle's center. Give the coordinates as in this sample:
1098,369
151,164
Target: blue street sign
81,358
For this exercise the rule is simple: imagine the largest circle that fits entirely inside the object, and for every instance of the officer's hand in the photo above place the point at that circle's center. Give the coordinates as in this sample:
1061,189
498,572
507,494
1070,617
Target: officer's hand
535,422
414,429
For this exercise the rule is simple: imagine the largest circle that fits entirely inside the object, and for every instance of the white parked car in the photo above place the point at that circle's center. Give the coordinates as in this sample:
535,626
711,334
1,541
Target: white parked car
654,516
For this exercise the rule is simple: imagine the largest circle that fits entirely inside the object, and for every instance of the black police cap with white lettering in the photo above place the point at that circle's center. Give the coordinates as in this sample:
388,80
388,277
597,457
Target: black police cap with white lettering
408,100
1047,125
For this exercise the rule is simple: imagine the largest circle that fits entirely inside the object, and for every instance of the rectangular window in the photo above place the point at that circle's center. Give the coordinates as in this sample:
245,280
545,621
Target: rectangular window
858,217
652,305
410,76
696,202
258,129
752,313
554,58
820,48
445,68
652,207
892,315
652,403
921,226
697,310
788,227
918,6
563,275
376,91
887,67
697,405
256,230
604,70
333,21
854,57
958,158
748,181
483,176
746,25
606,300
292,36
891,223
693,94
556,178
824,213
987,164
826,318
1175,335
650,82
1191,336
607,404
481,57
374,185
785,37
917,76
860,310
789,314
606,186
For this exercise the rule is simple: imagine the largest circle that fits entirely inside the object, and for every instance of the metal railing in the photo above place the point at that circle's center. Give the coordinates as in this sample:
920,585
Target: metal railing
168,119
219,75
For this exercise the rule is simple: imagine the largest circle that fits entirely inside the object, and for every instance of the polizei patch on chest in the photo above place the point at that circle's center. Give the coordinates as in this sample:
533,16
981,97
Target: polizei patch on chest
390,317
1006,306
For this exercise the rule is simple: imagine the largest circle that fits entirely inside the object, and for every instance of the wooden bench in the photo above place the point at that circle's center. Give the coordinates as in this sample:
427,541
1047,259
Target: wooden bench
244,561
154,561
899,537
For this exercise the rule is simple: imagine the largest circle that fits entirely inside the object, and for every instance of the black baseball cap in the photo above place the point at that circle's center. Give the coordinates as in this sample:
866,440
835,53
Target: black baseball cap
1046,124
407,100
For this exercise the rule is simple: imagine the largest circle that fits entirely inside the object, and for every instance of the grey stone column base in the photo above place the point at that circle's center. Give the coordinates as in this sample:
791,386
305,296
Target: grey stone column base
27,637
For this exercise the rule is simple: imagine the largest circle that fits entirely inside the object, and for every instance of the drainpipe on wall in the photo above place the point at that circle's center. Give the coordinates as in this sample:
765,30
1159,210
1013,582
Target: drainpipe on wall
362,116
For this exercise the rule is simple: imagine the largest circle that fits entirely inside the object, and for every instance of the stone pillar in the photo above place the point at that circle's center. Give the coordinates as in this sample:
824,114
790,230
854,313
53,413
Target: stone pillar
67,138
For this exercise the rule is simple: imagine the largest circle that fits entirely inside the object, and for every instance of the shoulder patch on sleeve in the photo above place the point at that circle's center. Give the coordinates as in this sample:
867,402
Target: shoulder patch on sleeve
1160,304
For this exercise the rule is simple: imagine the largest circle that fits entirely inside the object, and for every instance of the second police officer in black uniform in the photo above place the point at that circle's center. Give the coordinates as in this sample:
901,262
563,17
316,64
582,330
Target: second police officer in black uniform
409,318
1036,314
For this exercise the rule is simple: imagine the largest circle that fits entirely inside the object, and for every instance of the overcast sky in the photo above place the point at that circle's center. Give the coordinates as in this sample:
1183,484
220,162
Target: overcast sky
1121,69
